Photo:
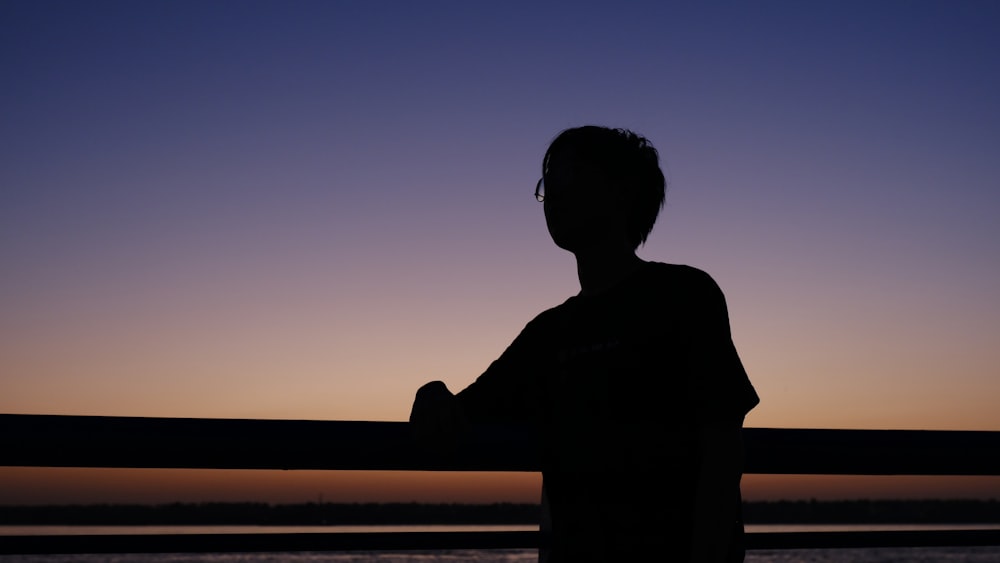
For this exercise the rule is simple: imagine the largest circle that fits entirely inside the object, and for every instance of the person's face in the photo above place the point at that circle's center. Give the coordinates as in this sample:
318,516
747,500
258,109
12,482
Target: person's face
582,208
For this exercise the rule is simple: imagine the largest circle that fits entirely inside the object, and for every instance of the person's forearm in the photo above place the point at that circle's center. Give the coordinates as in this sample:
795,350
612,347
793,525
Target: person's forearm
716,510
713,523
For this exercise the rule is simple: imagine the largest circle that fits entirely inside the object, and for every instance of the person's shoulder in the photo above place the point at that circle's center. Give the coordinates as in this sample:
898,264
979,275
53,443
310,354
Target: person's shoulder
693,286
681,274
550,316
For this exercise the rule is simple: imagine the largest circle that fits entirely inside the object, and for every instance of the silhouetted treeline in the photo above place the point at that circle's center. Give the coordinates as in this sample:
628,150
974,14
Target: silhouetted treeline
261,514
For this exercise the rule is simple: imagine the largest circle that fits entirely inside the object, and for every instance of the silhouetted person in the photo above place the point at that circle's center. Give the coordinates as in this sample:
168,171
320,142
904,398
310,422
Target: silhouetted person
634,384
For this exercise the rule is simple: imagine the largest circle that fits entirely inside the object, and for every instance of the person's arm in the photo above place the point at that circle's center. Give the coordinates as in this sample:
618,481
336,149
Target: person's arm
716,497
506,392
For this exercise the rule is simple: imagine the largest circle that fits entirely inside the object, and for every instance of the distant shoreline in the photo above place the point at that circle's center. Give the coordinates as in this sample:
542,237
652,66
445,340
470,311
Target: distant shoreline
253,513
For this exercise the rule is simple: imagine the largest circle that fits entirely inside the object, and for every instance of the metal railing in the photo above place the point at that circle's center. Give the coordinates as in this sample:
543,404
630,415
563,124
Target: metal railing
126,442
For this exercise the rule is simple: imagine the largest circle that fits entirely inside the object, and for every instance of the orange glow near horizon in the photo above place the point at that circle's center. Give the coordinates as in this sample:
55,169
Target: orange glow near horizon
33,485
44,485
847,487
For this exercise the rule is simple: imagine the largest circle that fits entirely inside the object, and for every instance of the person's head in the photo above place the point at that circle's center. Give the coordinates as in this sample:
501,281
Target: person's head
601,186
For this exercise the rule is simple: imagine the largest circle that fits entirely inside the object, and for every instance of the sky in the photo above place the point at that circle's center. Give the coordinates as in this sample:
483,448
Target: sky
306,210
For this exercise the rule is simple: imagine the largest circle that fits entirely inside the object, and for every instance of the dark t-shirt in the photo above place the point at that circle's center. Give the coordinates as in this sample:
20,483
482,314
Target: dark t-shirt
619,385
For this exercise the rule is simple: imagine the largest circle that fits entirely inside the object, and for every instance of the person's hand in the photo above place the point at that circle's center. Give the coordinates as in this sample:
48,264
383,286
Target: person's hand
436,418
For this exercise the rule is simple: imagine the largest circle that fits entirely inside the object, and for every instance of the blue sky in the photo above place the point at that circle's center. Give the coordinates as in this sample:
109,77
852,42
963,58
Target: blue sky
307,209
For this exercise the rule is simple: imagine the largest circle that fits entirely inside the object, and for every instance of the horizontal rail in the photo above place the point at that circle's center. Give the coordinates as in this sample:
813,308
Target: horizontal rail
132,442
392,541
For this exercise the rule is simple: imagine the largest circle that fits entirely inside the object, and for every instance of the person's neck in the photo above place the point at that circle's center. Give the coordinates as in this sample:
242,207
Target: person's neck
600,269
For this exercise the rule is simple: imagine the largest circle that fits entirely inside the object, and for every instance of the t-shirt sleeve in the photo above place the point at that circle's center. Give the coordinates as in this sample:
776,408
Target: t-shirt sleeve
509,390
720,389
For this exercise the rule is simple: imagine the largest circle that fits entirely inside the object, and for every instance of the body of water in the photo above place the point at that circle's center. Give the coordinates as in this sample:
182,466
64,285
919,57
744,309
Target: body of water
867,555
241,529
880,555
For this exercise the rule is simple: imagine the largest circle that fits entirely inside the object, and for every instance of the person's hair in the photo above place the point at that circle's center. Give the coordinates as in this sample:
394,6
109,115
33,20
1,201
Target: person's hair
628,161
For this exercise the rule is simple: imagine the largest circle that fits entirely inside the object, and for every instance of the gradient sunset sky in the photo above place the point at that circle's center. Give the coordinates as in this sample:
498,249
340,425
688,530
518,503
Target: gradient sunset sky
308,209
